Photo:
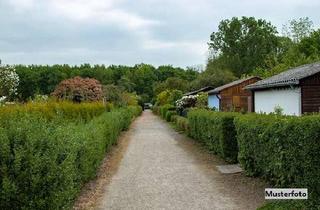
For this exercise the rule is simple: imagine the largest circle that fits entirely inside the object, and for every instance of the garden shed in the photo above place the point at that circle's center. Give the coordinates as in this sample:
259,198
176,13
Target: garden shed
232,96
296,91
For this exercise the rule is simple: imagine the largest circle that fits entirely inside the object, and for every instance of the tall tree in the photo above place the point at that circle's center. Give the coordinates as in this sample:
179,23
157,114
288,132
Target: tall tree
298,29
244,43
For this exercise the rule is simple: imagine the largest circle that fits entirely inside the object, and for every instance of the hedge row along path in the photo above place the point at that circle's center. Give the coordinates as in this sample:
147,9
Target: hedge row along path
162,169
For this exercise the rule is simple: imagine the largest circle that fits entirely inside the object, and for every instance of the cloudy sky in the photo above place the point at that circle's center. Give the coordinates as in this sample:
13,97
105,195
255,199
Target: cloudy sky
127,31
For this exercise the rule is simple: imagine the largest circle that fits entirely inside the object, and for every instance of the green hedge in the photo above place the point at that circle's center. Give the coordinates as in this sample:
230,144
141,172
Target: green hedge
181,122
169,115
44,163
156,110
284,150
216,130
164,109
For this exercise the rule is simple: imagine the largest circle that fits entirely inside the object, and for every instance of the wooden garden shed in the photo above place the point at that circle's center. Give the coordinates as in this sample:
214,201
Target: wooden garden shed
232,96
296,91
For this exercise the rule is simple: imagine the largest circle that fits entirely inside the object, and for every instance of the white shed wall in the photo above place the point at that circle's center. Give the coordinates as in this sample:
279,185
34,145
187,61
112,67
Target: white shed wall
288,99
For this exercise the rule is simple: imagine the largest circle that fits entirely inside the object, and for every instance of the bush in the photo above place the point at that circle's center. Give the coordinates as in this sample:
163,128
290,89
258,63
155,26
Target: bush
169,115
50,110
78,89
156,110
284,150
168,97
164,109
182,123
216,130
43,163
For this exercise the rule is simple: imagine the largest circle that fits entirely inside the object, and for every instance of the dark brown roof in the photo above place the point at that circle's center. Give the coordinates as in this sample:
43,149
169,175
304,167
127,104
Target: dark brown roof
237,82
204,89
287,78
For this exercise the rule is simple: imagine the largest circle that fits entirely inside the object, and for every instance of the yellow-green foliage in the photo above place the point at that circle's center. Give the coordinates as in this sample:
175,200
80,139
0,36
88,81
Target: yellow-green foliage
52,109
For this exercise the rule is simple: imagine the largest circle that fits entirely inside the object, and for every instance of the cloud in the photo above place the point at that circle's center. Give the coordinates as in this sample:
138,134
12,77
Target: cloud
98,11
21,5
126,31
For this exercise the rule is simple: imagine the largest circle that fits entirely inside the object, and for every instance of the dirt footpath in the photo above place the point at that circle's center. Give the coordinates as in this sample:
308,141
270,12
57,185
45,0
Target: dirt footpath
162,169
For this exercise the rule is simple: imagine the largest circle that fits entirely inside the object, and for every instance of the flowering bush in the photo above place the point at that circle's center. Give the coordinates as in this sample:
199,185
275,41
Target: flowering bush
9,81
186,102
2,100
78,89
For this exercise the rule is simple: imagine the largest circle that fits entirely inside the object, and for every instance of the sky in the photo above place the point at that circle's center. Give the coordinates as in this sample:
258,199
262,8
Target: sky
127,32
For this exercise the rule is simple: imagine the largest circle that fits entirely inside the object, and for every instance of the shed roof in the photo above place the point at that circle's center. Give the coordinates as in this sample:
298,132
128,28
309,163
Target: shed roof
287,78
204,89
231,84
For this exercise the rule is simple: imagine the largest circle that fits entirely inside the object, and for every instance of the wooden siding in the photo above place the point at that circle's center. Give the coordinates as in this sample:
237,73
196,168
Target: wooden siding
235,98
310,94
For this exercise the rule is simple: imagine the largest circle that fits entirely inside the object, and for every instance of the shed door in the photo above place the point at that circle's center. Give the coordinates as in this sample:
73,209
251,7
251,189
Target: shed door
236,102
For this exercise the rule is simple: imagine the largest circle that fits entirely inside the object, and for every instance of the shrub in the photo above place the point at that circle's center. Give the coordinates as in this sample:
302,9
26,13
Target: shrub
78,89
44,163
216,130
9,81
169,115
50,110
156,110
182,123
284,150
202,100
164,109
168,97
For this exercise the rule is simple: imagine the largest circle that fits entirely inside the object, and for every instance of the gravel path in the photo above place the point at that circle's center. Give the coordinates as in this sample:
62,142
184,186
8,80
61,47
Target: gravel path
162,169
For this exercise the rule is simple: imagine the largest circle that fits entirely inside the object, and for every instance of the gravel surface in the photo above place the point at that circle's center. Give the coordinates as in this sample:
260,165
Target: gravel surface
162,169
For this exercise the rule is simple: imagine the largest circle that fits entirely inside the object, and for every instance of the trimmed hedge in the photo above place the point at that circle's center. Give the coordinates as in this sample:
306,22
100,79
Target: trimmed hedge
181,122
216,130
165,108
284,150
44,163
169,115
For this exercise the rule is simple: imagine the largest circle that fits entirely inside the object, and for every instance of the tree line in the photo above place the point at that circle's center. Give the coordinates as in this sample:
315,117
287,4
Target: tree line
143,79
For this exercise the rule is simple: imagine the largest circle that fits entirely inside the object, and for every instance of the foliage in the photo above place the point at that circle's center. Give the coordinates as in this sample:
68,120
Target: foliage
117,96
283,205
202,100
310,45
284,150
44,163
172,83
141,79
78,89
216,130
169,115
9,81
215,75
298,29
244,43
52,110
168,97
278,110
186,102
181,122
164,109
